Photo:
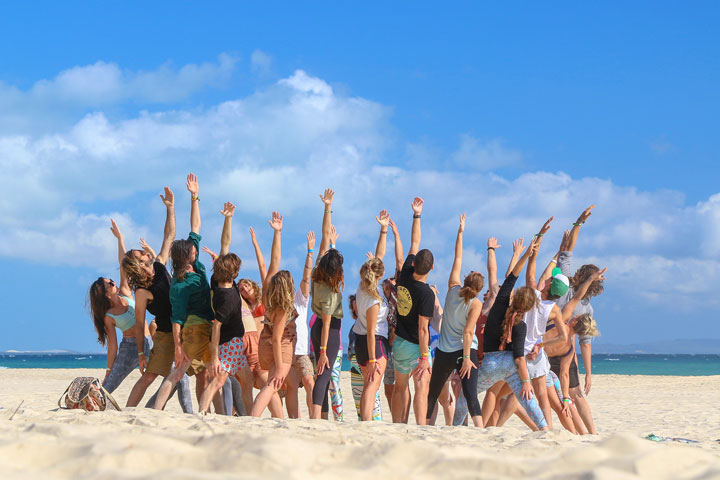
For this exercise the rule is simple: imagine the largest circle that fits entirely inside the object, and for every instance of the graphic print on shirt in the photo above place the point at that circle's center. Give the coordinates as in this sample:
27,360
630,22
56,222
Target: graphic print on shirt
404,300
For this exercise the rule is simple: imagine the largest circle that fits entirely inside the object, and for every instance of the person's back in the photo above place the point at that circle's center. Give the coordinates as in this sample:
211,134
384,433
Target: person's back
455,314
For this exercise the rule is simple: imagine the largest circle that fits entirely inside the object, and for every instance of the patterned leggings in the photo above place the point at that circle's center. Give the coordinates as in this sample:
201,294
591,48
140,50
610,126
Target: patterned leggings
497,366
357,381
334,388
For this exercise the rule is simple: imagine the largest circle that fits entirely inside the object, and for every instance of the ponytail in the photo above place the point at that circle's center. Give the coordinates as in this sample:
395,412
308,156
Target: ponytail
371,273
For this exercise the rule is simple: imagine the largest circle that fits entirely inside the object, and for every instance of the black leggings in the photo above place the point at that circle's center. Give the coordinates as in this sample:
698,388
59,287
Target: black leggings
320,390
443,365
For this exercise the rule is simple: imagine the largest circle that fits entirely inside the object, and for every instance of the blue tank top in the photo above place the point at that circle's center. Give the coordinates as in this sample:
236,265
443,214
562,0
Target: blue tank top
125,321
455,315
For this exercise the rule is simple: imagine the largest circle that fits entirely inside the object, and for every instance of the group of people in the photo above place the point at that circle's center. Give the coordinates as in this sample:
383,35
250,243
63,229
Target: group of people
235,335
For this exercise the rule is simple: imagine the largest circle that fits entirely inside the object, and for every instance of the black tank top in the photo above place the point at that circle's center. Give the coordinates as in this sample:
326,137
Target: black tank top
160,306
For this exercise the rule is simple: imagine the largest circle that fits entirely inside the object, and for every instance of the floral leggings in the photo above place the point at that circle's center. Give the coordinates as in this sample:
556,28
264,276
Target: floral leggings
358,383
334,389
497,366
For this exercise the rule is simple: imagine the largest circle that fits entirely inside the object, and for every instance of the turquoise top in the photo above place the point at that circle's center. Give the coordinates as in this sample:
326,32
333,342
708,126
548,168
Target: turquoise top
125,321
192,295
455,316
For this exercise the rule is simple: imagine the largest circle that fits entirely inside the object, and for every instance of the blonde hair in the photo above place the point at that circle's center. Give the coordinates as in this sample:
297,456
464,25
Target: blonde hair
586,326
255,288
281,293
371,273
523,300
137,276
472,285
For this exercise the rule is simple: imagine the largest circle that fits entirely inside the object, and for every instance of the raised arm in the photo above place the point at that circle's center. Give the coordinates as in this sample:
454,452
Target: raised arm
580,292
492,244
518,247
521,262
383,219
457,262
124,288
276,225
399,256
417,206
226,237
548,270
194,189
147,248
212,254
327,199
258,256
307,271
170,229
576,228
532,261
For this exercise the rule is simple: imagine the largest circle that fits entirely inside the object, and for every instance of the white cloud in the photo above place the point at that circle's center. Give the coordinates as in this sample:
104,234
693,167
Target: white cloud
281,146
260,62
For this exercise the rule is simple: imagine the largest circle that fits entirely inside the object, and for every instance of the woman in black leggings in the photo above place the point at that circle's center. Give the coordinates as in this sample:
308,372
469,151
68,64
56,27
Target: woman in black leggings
457,347
325,290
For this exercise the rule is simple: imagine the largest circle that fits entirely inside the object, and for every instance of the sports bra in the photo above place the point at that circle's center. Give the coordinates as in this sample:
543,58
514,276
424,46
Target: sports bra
125,321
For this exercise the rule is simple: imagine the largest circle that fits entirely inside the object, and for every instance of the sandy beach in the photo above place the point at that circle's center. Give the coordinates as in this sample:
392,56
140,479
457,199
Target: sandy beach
38,440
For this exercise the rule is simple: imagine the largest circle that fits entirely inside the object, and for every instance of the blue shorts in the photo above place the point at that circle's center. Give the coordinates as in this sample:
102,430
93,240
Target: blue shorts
405,355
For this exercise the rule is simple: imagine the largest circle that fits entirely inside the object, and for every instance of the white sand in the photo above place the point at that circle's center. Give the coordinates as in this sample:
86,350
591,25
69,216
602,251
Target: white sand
43,442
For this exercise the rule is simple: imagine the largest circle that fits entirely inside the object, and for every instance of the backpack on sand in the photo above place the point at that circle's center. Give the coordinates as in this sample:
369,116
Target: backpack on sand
87,393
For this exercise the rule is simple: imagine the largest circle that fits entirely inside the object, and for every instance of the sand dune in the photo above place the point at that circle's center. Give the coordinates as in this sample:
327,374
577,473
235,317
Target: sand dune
41,441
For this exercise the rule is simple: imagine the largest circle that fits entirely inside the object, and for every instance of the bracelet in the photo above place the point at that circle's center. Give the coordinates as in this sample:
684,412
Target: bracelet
194,197
491,248
108,369
372,361
526,381
567,400
332,246
328,211
553,261
417,215
383,231
425,355
578,224
322,349
311,250
141,353
466,356
538,235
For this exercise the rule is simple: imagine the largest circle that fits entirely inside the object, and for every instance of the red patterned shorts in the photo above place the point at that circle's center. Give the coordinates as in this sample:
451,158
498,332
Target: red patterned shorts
231,355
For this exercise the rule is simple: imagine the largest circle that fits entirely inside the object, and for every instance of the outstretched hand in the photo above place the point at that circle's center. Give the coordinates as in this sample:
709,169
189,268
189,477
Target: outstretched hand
546,226
311,240
393,226
599,275
585,214
115,230
252,235
276,221
383,218
327,197
565,241
518,247
493,243
461,228
209,252
534,245
169,198
333,235
417,205
192,184
228,209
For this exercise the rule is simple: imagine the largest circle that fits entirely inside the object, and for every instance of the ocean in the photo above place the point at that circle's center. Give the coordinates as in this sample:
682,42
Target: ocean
681,365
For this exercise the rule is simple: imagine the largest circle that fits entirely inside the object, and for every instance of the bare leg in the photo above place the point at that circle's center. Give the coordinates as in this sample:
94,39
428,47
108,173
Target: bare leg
370,389
448,404
245,377
583,408
209,393
308,383
166,388
401,397
422,386
540,388
140,388
269,393
491,396
292,383
556,405
389,389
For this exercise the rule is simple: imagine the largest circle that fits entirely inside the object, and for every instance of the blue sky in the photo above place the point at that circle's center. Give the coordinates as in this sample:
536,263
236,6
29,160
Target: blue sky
510,113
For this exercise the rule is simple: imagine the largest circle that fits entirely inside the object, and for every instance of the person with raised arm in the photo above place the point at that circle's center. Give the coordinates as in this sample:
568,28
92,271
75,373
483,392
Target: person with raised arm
536,321
227,355
416,303
192,313
457,346
371,327
112,306
583,307
302,371
504,342
326,292
278,337
389,286
562,353
149,278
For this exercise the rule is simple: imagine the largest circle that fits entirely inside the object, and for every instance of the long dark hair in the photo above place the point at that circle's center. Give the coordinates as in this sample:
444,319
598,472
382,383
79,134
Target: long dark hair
330,270
181,255
99,306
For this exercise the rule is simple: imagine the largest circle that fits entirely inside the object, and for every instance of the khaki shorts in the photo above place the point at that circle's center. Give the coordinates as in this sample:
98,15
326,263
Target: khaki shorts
303,365
162,354
251,340
287,345
196,342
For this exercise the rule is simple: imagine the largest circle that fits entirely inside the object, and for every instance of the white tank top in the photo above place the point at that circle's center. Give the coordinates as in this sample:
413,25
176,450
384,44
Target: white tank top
536,321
